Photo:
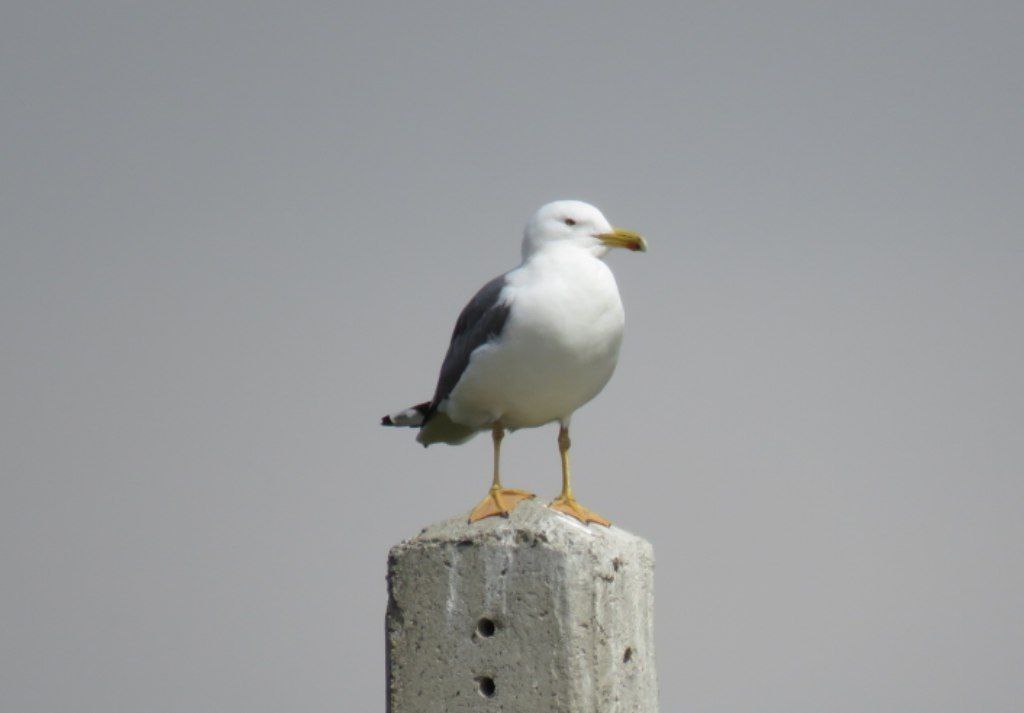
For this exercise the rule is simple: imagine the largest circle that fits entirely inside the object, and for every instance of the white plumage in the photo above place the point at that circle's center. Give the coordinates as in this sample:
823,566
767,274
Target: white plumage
534,344
558,348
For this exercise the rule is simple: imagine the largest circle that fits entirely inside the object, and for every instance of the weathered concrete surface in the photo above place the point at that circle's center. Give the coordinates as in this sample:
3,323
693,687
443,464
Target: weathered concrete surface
534,614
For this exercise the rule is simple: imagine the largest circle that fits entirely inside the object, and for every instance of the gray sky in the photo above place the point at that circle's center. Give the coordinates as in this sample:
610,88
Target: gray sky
232,235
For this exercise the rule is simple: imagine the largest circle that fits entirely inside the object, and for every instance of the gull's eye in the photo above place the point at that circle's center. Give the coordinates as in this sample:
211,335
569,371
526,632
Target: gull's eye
570,221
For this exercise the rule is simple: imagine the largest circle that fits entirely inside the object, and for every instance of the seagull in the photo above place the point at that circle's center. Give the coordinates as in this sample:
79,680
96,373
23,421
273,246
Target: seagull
531,347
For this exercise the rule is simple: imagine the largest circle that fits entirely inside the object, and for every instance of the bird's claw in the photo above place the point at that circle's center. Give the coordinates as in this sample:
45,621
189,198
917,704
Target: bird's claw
571,507
499,501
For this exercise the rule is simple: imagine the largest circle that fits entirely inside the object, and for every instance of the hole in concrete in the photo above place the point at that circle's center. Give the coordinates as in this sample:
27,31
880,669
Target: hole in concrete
628,655
485,627
486,686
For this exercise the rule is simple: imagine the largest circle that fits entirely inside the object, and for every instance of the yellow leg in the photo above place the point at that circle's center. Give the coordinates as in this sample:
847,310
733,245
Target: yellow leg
499,500
565,502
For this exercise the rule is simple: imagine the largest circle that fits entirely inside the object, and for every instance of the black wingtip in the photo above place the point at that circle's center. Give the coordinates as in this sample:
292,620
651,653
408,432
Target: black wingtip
386,421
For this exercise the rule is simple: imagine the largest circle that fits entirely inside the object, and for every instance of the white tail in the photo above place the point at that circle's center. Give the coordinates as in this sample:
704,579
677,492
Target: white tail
413,416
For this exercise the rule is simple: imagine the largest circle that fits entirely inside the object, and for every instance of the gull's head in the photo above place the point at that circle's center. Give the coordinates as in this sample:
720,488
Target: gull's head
579,225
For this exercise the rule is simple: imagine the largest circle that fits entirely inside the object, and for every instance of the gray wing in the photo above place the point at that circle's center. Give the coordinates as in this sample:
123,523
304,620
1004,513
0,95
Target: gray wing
481,321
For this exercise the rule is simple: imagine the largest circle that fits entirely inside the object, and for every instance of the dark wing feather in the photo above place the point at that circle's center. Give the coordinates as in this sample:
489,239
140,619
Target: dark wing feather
481,321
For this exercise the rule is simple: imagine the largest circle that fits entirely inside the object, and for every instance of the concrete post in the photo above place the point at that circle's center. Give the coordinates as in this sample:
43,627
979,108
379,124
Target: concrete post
535,613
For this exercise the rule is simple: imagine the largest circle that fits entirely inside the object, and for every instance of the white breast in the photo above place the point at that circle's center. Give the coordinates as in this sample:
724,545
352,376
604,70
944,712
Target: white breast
557,351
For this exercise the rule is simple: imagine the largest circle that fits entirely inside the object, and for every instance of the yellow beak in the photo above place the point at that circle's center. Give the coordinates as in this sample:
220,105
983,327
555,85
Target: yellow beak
620,238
